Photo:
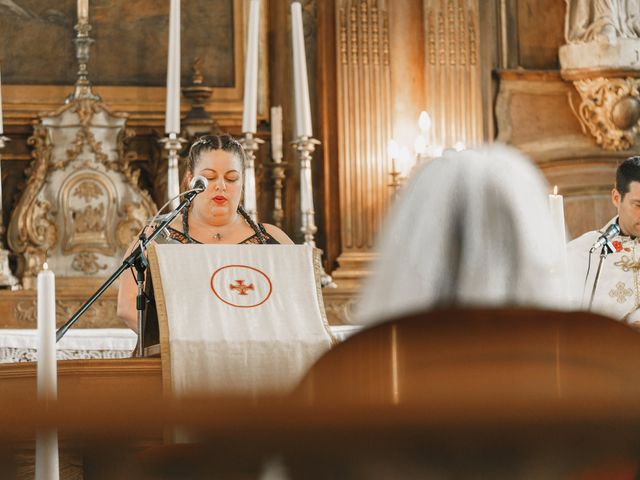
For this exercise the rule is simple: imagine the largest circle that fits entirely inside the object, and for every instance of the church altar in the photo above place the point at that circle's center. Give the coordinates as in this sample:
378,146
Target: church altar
20,345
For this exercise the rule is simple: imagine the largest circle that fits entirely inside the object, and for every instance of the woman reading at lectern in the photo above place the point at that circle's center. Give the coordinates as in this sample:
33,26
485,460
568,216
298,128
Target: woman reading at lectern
214,217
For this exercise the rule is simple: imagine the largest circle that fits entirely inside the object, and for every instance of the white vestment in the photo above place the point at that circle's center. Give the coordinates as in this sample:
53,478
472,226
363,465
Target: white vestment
618,293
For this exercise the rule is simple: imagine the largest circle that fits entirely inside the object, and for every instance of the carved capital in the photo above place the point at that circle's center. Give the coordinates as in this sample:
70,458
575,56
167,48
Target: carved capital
610,110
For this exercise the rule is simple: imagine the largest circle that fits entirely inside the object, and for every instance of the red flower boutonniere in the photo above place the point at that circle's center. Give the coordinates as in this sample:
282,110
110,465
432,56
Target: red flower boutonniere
617,245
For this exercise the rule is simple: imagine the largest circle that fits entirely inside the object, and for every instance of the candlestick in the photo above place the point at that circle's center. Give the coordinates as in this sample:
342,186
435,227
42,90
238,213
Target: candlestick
172,119
305,147
300,82
251,145
1,120
173,144
47,467
251,69
83,44
83,11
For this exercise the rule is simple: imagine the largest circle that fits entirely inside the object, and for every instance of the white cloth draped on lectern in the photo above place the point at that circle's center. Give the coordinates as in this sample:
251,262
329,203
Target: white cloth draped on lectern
240,319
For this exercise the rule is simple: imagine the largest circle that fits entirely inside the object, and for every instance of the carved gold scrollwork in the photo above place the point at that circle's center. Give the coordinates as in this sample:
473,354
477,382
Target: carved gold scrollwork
610,110
31,230
87,263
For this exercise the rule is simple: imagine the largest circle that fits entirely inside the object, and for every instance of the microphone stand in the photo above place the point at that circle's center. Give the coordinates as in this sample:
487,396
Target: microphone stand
607,248
137,260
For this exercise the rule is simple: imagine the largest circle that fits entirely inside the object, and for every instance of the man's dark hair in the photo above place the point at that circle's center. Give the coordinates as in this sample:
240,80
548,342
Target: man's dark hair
628,171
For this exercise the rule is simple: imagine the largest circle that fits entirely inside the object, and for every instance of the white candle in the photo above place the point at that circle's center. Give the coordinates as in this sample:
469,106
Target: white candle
306,192
47,466
172,119
249,201
556,204
1,124
251,69
300,82
83,11
276,134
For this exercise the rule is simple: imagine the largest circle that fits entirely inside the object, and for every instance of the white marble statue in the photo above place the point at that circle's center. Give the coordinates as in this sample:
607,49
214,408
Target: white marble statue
602,20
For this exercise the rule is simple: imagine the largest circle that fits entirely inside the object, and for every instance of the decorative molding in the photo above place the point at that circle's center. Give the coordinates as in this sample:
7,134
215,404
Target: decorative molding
453,71
364,107
102,314
610,111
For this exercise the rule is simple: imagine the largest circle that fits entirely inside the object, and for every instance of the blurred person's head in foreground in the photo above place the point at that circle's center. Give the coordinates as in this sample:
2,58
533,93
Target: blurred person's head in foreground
472,228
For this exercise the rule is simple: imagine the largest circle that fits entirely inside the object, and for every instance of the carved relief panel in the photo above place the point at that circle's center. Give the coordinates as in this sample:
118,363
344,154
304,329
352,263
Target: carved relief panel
452,71
365,128
82,206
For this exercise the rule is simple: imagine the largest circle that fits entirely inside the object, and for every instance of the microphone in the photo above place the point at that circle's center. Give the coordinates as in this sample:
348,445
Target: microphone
606,237
198,183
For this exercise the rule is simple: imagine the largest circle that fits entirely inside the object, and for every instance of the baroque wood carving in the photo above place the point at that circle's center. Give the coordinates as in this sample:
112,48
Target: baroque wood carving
364,105
610,110
452,71
82,205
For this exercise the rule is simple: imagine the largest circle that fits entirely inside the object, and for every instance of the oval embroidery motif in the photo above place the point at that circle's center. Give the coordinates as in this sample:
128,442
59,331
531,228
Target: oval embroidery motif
241,286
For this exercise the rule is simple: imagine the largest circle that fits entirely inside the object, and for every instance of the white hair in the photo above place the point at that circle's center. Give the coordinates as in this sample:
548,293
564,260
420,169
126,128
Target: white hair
472,228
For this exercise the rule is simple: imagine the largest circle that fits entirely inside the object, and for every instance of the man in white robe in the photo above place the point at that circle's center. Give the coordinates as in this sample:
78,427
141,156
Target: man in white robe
618,291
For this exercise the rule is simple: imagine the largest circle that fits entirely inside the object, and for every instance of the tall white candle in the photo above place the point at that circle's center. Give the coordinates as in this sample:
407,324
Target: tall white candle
251,69
249,201
83,11
556,204
172,119
306,192
47,463
300,81
1,124
276,134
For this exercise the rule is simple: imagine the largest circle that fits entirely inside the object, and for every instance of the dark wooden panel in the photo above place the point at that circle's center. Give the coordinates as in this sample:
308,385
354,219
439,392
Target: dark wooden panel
131,41
540,33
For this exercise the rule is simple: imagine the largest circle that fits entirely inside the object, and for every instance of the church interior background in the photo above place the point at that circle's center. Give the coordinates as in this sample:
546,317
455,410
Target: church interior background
91,96
484,71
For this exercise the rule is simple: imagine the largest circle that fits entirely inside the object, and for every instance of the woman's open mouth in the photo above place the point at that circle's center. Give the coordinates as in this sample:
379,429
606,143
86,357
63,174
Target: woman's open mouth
220,199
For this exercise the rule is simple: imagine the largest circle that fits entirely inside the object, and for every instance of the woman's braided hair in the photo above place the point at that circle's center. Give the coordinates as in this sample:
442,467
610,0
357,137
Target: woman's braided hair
226,143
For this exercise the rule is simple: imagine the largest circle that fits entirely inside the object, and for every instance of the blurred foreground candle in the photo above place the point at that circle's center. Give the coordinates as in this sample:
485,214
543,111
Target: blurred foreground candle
47,441
300,81
251,70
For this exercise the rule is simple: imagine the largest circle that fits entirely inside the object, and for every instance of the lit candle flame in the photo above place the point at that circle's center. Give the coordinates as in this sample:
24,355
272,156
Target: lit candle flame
45,266
555,189
424,122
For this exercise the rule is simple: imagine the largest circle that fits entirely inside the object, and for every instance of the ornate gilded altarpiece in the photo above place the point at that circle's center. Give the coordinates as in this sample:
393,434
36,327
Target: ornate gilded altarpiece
81,207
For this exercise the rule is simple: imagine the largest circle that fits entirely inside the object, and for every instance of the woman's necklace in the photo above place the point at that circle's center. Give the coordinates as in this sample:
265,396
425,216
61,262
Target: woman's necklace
217,236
